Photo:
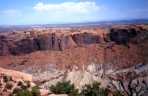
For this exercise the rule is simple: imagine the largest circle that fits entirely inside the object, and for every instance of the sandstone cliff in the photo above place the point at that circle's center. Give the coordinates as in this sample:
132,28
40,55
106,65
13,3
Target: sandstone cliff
80,46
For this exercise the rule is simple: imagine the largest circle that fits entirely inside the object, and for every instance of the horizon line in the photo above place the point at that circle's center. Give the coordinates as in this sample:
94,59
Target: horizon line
144,20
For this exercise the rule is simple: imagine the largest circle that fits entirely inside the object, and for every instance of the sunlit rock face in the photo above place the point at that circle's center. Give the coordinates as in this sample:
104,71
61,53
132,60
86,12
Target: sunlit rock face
16,74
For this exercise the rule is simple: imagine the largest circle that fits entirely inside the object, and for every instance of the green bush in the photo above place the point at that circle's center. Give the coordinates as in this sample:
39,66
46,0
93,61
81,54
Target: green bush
93,90
64,87
16,90
35,91
25,92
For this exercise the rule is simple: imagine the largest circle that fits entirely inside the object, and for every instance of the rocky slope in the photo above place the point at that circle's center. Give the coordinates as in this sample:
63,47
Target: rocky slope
12,81
16,74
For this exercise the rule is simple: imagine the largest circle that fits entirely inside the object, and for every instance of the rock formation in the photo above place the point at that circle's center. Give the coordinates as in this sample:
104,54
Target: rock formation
88,54
111,46
48,41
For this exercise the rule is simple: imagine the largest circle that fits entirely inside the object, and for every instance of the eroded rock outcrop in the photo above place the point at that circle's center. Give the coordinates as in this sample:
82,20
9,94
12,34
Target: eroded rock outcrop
50,41
86,38
122,36
23,46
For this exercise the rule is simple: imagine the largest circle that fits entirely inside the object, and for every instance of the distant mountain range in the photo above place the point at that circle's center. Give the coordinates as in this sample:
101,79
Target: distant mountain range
10,28
132,21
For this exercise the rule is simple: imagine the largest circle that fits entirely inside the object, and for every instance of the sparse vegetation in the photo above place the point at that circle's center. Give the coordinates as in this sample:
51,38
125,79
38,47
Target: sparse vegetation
64,87
20,83
35,91
26,92
23,92
88,90
9,85
7,78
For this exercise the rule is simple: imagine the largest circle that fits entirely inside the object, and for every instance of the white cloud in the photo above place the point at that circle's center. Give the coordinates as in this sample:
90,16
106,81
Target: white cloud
11,12
68,7
68,11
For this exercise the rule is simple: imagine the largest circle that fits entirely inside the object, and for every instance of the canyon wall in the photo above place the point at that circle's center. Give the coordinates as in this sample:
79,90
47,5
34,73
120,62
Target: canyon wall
45,42
116,47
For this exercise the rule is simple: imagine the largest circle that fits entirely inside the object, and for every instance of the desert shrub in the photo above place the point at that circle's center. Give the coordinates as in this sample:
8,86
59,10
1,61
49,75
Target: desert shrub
20,83
16,90
25,92
35,91
64,87
28,84
7,78
93,90
9,85
23,87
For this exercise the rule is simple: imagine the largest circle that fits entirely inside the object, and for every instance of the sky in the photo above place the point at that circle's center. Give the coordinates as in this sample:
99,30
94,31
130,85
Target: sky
22,12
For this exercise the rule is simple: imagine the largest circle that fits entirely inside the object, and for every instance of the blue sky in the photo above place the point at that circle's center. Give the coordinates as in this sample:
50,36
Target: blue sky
20,12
